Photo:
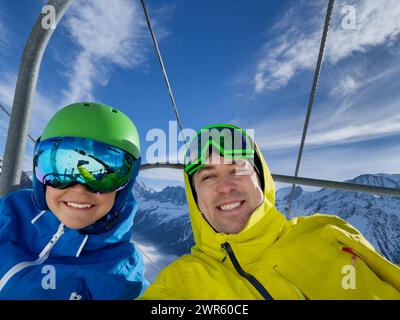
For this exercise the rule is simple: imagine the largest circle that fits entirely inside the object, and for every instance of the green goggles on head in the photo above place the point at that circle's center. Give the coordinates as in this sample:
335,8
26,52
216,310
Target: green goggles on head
230,141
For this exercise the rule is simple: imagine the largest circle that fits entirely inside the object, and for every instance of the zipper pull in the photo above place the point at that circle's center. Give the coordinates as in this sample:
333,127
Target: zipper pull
223,248
52,242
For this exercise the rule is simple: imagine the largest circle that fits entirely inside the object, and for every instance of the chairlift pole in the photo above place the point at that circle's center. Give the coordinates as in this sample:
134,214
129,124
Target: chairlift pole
23,97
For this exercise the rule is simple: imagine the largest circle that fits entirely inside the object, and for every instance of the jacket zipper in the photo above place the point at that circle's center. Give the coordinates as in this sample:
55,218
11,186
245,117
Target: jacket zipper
255,283
43,255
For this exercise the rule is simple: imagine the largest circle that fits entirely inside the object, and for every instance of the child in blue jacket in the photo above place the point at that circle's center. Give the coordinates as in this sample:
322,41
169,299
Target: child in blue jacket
69,237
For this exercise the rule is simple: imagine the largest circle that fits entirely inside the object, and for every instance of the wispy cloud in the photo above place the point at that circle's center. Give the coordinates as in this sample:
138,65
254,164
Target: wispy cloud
3,33
358,99
7,87
160,176
328,128
354,77
43,108
296,46
107,33
346,85
376,24
338,163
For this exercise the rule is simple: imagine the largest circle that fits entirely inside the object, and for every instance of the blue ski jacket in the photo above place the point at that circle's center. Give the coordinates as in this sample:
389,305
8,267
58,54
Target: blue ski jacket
40,258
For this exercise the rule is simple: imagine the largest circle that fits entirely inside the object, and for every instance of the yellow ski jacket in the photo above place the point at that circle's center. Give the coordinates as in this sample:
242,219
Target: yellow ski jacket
313,257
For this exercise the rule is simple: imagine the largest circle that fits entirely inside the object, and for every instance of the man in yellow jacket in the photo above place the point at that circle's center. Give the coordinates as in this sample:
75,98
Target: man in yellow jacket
246,249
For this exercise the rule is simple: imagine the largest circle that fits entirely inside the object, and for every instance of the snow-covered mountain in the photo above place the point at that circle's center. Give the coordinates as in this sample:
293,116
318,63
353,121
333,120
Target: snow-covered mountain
162,218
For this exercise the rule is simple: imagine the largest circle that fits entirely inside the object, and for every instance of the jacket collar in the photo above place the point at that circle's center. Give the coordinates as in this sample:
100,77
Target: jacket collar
73,241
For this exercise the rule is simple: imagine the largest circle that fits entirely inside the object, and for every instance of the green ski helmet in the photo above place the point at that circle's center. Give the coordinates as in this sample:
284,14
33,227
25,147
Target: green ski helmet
102,123
95,121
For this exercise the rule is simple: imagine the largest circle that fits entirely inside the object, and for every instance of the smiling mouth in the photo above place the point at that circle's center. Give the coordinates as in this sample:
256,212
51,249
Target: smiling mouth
78,206
230,206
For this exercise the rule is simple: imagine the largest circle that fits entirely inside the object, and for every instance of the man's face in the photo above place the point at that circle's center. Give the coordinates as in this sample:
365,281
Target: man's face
77,207
228,192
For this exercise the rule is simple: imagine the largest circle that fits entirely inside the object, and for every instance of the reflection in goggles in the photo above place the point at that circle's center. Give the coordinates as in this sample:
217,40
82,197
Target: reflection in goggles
62,162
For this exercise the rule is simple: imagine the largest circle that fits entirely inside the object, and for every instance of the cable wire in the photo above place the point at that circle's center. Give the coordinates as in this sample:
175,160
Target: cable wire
164,71
312,96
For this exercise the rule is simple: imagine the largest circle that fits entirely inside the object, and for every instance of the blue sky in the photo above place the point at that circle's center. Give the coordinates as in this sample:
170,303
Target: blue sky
245,62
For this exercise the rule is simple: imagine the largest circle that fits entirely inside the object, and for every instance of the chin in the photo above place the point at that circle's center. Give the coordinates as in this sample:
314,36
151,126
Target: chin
75,225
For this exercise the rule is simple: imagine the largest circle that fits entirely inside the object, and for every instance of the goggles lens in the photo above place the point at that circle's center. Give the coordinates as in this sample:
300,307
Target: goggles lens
64,161
230,141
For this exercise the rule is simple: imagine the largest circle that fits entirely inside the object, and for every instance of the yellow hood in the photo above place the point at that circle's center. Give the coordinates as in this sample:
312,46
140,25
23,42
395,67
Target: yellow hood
265,221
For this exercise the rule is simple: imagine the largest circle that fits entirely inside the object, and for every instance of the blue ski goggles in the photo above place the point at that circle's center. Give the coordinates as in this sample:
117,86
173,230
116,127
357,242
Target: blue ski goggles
62,162
230,141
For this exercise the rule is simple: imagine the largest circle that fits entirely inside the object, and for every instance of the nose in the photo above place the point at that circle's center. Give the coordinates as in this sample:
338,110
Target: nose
225,185
79,188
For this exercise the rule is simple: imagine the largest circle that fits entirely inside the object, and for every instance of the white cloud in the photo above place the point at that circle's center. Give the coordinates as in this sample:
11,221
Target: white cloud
42,110
346,85
43,106
353,78
3,33
297,47
362,103
6,97
107,32
7,87
328,128
338,164
160,175
376,24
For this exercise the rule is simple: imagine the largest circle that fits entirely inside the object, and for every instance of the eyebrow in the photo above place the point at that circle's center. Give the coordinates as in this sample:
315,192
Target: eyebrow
212,167
205,167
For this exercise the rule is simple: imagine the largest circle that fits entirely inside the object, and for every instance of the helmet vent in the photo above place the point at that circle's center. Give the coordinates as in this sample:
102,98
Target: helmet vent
86,104
115,111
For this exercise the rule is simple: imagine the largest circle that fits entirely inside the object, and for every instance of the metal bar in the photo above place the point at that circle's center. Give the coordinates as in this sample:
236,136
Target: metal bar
354,187
338,185
23,98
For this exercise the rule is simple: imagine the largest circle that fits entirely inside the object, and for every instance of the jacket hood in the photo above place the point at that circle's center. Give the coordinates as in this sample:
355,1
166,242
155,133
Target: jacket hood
263,227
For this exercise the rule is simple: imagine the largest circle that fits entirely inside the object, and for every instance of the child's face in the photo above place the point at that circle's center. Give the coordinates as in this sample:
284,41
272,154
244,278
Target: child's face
71,205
